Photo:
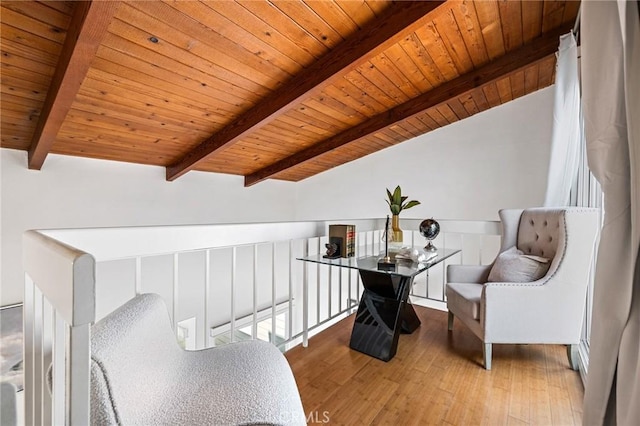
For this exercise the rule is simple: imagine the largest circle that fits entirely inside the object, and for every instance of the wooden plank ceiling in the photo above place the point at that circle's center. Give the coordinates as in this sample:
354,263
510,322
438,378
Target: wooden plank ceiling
263,89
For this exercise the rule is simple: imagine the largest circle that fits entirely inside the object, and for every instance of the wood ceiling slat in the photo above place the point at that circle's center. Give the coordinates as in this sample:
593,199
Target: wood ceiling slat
151,104
345,91
26,23
29,77
229,33
417,124
480,99
491,27
190,51
9,99
318,117
12,78
140,70
300,13
443,68
109,122
95,148
517,84
298,35
447,113
470,29
261,29
359,10
512,64
511,17
333,16
302,127
20,62
371,93
26,52
65,7
323,100
375,38
55,20
504,89
531,79
18,111
491,93
117,113
121,134
458,109
389,70
126,39
449,31
402,71
202,38
339,116
155,84
531,19
78,52
381,76
553,13
545,71
23,88
427,120
30,41
437,117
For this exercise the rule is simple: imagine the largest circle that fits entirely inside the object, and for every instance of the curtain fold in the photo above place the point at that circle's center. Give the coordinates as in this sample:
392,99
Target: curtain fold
610,34
565,139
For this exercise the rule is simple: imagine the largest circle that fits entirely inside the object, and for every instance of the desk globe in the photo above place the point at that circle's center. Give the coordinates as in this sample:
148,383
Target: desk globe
429,228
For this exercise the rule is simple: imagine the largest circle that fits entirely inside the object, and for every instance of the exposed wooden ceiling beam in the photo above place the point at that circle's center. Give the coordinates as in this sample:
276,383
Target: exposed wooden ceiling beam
528,54
400,19
87,28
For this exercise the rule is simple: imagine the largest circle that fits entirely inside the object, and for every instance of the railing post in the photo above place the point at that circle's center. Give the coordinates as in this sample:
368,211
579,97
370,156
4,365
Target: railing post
254,321
232,323
176,278
273,293
207,296
28,344
290,290
305,298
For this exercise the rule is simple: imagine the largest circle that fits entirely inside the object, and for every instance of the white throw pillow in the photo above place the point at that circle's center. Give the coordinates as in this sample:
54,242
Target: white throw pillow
513,266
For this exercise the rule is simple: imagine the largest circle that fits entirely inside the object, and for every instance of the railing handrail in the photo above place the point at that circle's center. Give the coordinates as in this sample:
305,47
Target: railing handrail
52,264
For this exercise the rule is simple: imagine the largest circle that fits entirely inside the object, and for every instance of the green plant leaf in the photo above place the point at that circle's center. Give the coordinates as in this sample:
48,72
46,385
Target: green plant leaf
410,204
395,208
397,195
390,196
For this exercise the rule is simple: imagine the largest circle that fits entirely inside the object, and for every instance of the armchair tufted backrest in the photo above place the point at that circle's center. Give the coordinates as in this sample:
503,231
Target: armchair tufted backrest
539,231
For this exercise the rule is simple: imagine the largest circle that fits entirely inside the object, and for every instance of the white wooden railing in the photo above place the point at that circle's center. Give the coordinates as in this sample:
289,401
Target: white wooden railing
220,283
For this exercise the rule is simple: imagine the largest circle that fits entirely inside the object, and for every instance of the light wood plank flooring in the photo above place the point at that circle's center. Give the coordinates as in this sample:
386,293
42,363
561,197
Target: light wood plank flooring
436,377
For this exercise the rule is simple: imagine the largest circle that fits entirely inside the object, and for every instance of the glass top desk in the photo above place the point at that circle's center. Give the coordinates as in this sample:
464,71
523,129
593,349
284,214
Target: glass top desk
384,311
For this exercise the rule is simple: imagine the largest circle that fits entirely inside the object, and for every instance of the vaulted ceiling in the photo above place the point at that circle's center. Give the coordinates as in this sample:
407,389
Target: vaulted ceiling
263,89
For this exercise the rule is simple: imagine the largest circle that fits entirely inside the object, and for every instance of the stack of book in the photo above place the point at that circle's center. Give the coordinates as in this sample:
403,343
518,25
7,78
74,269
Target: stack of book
345,237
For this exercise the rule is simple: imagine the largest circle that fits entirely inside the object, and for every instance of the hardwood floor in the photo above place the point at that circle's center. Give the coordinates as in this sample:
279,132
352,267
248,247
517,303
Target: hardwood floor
436,377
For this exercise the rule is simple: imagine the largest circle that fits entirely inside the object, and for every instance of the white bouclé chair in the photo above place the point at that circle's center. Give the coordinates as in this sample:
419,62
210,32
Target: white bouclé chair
547,310
140,376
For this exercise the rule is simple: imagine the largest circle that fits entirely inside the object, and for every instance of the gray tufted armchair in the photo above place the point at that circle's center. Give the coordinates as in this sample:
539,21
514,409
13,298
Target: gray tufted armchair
547,310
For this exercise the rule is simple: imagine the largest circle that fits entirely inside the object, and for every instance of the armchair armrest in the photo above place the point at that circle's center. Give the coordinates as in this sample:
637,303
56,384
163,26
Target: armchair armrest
468,273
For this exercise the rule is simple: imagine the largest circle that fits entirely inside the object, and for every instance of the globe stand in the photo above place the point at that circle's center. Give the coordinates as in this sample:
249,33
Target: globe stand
430,247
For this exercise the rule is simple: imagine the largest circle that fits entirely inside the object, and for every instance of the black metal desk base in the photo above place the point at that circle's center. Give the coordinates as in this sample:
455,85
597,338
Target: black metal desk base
384,312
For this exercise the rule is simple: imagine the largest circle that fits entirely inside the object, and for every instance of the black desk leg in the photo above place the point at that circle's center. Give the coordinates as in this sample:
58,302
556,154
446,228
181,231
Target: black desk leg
382,314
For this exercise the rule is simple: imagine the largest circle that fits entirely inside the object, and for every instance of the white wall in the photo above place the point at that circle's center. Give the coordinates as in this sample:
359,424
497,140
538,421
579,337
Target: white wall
76,193
467,170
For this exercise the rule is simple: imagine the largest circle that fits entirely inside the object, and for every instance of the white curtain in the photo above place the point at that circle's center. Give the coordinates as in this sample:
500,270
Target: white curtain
610,33
565,139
